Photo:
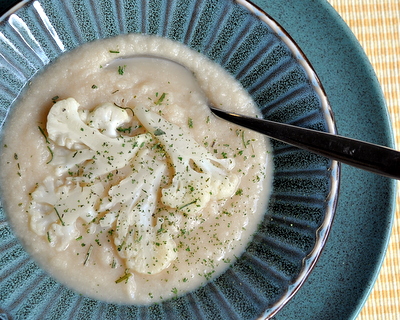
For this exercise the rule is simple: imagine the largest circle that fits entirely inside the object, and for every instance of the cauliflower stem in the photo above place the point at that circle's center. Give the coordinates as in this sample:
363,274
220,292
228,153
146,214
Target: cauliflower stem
198,176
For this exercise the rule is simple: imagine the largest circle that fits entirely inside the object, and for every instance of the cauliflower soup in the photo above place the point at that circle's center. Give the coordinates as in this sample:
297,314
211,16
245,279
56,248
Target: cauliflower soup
119,180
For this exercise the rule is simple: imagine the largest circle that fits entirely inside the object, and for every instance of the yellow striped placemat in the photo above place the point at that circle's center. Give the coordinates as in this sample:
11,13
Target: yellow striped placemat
376,24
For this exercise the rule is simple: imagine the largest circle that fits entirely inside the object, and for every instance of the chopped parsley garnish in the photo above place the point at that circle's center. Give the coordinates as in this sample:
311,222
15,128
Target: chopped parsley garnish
51,155
239,192
159,132
190,123
121,70
124,130
44,135
59,217
161,99
89,252
245,143
48,142
188,204
125,278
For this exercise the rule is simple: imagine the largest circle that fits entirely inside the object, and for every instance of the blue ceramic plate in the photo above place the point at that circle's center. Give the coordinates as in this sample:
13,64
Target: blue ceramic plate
350,263
316,28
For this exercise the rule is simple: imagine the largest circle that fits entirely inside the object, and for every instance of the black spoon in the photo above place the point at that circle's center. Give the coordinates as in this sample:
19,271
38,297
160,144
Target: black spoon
360,154
363,155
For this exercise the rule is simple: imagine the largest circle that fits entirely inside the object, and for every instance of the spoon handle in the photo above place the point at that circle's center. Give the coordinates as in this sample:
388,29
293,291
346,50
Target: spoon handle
360,154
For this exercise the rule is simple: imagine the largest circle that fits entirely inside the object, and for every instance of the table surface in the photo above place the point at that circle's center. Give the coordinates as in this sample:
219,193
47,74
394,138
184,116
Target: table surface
376,24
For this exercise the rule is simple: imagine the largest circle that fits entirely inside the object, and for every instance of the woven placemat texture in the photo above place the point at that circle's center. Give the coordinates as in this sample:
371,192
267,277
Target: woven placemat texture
376,24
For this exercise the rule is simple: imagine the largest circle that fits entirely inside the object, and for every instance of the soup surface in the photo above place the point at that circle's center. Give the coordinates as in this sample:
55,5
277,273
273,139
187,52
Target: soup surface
119,180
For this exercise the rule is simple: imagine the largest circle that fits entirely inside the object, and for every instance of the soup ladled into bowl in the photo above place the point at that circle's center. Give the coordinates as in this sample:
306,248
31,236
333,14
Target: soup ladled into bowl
121,183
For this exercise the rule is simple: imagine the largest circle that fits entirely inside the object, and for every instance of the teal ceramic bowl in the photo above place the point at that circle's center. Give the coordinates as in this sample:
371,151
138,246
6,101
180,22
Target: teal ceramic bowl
262,57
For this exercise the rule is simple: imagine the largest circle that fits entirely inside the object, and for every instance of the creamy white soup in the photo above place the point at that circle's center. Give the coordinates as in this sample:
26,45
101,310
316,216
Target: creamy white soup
119,180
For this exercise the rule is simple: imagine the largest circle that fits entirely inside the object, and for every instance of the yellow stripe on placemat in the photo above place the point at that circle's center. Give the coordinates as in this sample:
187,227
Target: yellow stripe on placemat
376,24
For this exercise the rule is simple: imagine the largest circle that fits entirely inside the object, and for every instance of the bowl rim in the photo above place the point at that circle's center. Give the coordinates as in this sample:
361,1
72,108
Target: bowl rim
323,231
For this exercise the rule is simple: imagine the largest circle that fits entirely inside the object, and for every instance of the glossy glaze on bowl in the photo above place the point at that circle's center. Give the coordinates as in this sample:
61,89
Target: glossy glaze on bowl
262,57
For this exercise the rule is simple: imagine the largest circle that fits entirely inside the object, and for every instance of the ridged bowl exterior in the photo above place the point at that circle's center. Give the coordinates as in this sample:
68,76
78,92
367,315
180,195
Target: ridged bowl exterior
259,54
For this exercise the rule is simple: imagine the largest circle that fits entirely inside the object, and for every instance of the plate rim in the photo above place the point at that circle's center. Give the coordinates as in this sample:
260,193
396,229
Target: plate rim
291,310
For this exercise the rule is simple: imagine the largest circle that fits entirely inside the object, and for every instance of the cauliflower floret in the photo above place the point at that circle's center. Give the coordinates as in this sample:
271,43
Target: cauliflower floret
198,175
65,160
147,247
66,128
55,208
88,146
108,118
